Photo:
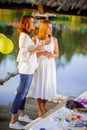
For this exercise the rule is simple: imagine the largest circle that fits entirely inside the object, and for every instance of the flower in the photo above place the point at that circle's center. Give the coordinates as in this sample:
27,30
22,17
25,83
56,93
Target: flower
82,100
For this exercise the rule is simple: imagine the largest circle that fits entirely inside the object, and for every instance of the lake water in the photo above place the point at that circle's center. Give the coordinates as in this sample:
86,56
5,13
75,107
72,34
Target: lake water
71,65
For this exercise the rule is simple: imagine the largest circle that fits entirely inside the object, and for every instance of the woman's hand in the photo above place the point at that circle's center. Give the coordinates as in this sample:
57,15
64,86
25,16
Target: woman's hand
40,47
48,54
37,49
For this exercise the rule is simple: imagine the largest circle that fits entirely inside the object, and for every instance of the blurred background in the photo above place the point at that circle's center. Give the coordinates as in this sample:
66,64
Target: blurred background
71,32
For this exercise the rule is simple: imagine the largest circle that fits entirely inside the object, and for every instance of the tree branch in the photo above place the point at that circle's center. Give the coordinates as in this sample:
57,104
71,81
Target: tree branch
8,76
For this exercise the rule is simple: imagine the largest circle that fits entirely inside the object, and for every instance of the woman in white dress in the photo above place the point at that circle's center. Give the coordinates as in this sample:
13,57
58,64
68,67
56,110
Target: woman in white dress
44,83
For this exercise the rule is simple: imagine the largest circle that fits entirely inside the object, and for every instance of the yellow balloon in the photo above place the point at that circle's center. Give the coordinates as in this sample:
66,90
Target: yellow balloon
2,35
6,45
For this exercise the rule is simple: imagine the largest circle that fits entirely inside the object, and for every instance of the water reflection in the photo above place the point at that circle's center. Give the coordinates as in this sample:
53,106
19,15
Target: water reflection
71,65
72,78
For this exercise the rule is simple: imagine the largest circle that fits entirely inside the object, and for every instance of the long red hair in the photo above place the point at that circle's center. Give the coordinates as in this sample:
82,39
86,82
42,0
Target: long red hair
43,28
24,24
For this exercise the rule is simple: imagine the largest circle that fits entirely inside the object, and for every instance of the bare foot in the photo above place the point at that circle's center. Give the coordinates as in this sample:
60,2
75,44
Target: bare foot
40,113
44,109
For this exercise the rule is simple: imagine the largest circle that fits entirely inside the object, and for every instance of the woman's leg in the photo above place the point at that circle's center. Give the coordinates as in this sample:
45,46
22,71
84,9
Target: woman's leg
43,105
38,103
13,118
19,101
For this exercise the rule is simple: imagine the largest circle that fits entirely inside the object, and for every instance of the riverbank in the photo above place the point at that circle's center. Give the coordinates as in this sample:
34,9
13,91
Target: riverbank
31,110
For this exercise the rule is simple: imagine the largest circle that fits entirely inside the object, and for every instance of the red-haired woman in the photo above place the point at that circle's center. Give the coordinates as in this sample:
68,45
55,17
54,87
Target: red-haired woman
27,63
44,84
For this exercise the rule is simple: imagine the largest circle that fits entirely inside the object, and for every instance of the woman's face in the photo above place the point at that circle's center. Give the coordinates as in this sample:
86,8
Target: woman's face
31,24
49,31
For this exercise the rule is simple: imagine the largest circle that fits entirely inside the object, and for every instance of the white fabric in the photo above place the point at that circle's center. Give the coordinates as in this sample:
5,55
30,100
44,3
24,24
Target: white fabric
53,122
26,63
44,82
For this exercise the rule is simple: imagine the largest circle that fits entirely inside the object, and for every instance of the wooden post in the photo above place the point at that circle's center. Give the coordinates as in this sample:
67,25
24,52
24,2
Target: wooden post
40,8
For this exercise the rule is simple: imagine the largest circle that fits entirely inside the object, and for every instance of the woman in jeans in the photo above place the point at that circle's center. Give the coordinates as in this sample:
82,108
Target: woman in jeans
27,63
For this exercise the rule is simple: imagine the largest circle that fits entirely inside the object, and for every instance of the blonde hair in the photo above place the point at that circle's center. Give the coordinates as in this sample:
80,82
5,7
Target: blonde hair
24,24
43,29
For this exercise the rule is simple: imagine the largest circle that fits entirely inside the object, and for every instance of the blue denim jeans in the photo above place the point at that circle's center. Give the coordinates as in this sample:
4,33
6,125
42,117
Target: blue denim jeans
20,98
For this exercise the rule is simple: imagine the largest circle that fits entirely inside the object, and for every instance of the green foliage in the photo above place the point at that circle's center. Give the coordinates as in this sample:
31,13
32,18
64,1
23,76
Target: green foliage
72,42
71,32
11,15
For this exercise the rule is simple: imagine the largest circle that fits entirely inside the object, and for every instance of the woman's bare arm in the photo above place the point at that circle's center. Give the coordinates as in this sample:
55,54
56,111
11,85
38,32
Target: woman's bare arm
56,48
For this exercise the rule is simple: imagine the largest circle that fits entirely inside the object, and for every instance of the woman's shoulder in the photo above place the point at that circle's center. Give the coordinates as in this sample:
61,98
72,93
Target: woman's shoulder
23,33
54,38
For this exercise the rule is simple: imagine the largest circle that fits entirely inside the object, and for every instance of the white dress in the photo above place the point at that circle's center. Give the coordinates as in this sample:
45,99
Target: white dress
44,84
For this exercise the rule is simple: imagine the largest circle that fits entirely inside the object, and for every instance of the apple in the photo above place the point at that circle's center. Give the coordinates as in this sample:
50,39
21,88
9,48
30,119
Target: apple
6,45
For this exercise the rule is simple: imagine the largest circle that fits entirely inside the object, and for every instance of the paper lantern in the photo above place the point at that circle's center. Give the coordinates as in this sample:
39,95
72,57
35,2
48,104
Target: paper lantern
6,45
